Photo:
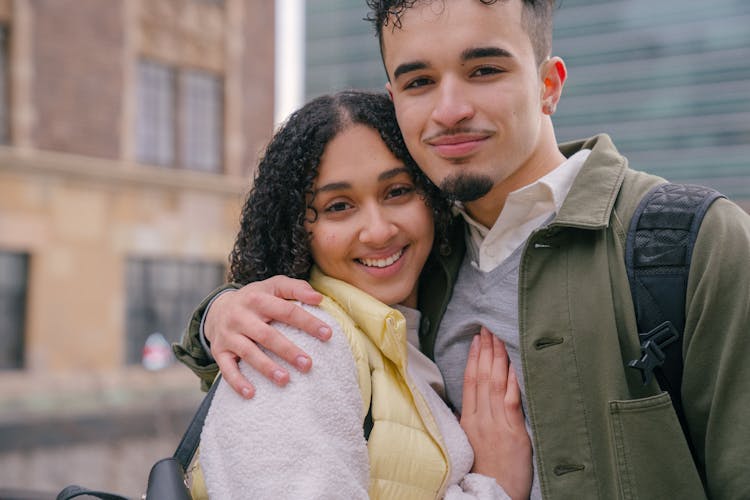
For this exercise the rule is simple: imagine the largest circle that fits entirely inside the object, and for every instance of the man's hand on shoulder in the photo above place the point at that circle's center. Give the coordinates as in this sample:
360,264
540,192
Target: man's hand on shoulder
237,321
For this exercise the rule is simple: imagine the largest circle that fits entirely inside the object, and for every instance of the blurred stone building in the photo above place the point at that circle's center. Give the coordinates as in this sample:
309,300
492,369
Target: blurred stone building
128,132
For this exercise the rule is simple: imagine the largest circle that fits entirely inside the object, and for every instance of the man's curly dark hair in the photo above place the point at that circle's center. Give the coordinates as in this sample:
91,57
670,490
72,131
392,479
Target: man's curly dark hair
537,17
272,238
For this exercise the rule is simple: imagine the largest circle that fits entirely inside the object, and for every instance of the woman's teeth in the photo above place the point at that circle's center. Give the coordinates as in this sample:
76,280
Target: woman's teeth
382,262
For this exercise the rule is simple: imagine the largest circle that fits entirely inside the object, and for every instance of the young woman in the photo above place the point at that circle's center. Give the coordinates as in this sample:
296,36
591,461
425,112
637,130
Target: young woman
338,200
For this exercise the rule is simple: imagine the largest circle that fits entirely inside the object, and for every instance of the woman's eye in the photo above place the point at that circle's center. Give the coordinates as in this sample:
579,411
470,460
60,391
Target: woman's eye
400,191
339,206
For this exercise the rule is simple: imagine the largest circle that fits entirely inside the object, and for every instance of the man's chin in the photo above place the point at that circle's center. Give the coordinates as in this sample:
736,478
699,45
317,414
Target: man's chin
466,188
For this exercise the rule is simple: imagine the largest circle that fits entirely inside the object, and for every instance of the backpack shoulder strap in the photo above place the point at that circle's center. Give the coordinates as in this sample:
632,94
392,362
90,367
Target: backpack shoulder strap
658,251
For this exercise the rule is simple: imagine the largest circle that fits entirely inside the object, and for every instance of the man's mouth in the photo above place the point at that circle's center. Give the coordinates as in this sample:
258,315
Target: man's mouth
453,139
384,262
458,145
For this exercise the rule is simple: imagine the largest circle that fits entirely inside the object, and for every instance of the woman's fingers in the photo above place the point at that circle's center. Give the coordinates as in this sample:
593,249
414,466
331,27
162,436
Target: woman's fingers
499,379
484,373
469,399
513,407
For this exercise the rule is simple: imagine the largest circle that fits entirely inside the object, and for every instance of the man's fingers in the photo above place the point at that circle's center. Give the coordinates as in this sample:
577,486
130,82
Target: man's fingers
274,341
272,308
469,399
290,288
231,373
236,321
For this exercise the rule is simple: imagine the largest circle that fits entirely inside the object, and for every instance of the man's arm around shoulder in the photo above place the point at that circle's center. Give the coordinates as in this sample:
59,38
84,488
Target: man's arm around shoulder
191,351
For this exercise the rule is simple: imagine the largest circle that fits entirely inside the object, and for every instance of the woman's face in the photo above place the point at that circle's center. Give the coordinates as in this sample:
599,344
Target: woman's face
373,229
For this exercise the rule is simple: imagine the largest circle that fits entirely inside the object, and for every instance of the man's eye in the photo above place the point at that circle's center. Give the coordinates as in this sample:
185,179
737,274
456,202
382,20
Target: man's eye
486,70
418,82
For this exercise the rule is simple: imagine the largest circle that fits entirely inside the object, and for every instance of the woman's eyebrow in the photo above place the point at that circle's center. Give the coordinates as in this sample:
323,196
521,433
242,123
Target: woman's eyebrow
384,176
334,186
390,174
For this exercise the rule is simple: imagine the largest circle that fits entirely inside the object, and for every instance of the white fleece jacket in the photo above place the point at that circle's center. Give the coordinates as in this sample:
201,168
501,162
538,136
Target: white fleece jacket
306,441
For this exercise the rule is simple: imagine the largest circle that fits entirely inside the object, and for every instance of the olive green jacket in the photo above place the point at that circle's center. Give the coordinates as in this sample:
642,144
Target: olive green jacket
598,431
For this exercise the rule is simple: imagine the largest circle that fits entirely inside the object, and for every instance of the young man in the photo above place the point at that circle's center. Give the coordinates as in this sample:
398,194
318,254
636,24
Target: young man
538,258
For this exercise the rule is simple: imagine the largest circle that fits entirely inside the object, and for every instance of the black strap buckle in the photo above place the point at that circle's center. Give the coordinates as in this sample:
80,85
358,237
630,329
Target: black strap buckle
653,344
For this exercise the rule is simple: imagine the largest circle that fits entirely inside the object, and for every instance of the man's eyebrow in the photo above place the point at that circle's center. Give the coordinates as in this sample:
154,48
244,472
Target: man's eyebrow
479,52
407,67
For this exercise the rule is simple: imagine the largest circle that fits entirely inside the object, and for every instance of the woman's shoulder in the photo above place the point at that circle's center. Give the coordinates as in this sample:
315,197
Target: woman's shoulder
333,369
304,430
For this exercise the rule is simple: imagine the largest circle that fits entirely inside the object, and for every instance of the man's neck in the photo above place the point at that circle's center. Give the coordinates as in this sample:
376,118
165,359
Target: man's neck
487,209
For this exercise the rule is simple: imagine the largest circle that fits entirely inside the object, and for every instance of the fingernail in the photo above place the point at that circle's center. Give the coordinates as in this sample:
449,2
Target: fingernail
324,332
246,393
475,342
278,376
303,362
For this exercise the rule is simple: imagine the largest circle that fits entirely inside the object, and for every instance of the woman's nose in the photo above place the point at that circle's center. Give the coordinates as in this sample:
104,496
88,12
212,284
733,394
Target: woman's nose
377,227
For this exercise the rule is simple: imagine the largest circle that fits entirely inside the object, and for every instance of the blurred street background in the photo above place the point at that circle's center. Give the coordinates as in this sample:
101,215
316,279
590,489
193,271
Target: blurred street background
129,131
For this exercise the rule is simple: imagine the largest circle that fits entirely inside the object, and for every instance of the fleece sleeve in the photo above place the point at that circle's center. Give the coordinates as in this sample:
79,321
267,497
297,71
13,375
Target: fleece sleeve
476,487
301,441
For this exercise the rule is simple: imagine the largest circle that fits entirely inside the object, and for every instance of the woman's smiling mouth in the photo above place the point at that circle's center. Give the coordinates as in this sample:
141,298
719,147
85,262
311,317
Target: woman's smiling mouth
384,262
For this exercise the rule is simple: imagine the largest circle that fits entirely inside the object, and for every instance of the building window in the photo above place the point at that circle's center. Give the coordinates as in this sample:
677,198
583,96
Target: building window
4,114
180,114
201,125
156,114
13,285
161,296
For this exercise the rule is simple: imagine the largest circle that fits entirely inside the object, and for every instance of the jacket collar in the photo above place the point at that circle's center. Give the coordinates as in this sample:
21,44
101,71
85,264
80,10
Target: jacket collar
591,199
385,326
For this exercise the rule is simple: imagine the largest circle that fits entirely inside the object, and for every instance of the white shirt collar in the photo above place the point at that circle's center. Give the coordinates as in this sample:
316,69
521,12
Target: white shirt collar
525,210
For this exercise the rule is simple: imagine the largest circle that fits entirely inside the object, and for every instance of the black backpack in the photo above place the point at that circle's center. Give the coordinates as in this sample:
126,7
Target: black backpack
658,250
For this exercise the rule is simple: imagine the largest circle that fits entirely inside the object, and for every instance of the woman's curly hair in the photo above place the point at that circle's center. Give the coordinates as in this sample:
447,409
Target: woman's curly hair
272,238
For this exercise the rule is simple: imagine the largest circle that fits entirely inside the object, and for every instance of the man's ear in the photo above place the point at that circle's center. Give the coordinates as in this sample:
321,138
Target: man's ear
388,89
553,74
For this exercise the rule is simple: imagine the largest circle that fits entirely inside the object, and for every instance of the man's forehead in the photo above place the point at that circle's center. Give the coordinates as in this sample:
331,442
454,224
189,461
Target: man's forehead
463,19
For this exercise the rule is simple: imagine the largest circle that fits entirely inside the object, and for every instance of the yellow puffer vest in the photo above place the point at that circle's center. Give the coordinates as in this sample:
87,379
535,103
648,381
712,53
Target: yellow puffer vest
407,454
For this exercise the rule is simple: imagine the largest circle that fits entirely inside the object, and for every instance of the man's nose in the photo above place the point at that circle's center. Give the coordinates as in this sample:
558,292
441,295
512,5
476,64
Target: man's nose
452,105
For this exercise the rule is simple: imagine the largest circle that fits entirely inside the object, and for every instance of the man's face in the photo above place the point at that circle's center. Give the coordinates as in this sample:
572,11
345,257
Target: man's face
468,94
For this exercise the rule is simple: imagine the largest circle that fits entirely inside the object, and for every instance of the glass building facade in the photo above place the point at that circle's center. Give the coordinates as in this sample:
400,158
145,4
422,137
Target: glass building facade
668,80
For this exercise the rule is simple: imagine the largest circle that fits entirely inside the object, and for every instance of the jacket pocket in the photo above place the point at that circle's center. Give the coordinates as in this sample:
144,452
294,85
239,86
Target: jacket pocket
652,457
